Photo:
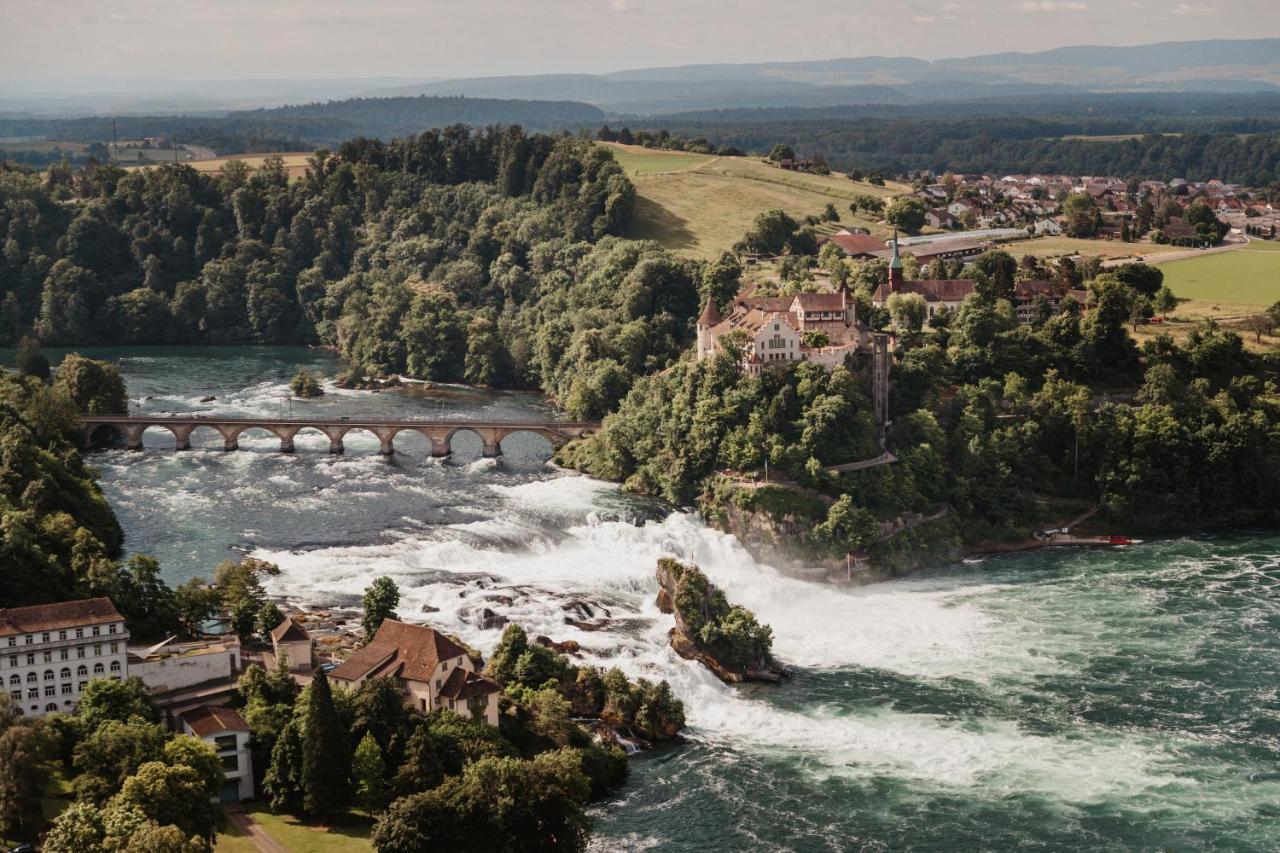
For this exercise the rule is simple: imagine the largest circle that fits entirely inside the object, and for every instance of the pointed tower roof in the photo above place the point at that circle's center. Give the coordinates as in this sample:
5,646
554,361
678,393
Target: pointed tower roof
710,315
896,262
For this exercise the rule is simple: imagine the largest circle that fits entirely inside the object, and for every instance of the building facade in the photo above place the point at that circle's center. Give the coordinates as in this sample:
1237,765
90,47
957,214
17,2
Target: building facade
291,641
50,652
432,671
775,330
938,294
227,732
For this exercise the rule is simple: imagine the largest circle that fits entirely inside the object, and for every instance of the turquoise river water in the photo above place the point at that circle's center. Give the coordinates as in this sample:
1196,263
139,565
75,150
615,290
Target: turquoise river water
1087,700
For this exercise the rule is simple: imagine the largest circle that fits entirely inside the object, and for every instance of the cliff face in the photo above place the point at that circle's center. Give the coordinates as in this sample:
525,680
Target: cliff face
684,639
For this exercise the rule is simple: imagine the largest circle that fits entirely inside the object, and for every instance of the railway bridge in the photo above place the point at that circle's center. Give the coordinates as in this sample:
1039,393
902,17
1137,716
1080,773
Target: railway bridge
439,433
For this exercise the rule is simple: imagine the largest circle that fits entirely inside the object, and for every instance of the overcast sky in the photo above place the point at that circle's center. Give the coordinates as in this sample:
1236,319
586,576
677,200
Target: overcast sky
214,39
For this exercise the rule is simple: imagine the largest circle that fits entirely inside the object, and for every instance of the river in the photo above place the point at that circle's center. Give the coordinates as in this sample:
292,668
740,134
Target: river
1088,700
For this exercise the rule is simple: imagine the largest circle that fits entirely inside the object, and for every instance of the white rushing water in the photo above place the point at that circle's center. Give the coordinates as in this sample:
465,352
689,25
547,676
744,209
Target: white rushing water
514,563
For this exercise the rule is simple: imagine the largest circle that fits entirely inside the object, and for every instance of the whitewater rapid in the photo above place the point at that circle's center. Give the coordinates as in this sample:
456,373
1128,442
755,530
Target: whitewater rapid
550,547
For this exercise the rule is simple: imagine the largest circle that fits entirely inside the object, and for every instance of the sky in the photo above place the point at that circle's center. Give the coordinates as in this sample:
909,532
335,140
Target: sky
220,39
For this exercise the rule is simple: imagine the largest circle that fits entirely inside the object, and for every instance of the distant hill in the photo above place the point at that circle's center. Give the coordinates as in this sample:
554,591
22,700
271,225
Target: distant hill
1225,66
334,121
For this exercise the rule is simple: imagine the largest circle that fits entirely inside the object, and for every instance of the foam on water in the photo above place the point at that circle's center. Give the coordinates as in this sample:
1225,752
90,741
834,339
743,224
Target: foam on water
509,563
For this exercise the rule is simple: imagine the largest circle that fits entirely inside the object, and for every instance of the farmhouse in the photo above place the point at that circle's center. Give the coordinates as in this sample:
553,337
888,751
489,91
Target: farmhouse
431,670
858,246
775,329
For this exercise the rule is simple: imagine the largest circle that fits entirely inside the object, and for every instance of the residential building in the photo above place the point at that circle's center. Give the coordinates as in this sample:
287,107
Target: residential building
1048,228
937,218
290,641
227,732
50,652
432,671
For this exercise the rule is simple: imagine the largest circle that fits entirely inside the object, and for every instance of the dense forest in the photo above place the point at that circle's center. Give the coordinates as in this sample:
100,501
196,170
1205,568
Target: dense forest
1002,146
454,255
997,427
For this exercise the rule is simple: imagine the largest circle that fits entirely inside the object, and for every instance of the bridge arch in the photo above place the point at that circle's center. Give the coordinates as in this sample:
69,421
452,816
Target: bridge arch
540,437
490,439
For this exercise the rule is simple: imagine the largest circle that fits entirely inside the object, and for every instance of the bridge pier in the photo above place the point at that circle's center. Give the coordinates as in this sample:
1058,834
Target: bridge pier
230,444
286,439
492,450
335,445
182,437
133,437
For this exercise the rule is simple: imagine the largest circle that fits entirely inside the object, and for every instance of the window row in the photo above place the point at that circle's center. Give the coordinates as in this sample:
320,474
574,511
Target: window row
65,654
65,673
47,636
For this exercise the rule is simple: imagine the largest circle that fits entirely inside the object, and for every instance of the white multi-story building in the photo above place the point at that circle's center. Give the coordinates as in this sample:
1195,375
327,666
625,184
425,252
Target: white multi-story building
227,732
50,652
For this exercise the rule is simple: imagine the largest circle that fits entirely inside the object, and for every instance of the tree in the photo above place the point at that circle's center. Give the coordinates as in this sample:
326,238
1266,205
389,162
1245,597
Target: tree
107,699
305,384
1259,324
906,213
324,753
496,804
96,387
174,795
1165,301
112,753
282,783
1144,279
998,271
908,311
720,280
782,151
240,593
22,754
30,361
1082,215
370,774
771,233
380,601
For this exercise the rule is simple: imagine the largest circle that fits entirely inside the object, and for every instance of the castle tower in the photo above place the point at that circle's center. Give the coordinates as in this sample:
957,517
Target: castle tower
706,341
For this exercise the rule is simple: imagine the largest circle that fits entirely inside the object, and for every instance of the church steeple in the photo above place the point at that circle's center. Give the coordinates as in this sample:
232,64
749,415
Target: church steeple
895,265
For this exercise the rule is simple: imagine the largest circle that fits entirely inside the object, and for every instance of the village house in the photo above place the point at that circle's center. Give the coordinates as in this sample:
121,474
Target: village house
227,732
291,642
1048,228
938,293
939,219
775,329
431,670
50,652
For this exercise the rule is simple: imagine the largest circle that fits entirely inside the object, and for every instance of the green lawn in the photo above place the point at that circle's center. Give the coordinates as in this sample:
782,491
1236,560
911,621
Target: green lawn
298,837
1249,275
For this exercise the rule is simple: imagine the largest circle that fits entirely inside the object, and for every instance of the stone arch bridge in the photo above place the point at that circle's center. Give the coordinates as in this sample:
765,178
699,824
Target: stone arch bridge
439,433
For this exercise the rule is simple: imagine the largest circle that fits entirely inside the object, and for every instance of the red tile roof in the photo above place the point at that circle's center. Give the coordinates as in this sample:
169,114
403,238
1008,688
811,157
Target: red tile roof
858,244
462,684
289,631
821,301
212,720
933,290
409,651
710,314
63,614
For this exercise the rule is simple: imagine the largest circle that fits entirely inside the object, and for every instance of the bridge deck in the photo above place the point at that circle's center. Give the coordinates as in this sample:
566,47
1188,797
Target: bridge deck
210,420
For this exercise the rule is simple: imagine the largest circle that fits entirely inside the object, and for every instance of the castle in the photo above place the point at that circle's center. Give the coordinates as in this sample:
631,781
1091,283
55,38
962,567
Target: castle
776,329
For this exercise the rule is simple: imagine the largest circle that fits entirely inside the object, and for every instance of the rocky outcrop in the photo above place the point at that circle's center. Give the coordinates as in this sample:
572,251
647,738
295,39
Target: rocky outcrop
672,576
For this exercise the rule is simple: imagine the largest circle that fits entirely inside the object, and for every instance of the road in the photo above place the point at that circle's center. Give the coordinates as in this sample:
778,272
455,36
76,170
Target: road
1165,257
246,824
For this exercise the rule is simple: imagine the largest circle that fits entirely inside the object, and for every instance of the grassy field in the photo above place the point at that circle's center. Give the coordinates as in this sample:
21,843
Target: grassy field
297,837
294,162
44,147
700,205
1052,247
1248,276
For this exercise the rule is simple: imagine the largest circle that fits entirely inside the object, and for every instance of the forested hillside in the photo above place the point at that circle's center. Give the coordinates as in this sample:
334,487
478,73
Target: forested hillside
1007,145
485,257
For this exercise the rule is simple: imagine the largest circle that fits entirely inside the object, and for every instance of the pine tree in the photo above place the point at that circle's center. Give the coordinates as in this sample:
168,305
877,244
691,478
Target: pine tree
370,774
283,781
324,758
